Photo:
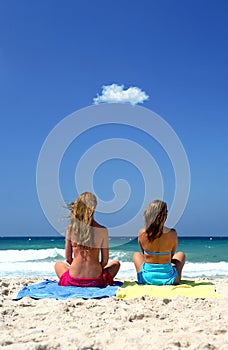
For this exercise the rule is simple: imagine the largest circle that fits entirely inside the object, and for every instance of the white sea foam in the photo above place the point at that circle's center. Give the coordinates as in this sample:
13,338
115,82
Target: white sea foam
127,270
209,269
18,263
30,254
28,269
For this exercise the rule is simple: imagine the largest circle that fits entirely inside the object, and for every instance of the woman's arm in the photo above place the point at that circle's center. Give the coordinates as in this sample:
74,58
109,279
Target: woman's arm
104,249
104,256
139,239
68,247
175,242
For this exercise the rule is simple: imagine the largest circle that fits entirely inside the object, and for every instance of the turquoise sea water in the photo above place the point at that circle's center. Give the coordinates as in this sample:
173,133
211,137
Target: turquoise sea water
35,256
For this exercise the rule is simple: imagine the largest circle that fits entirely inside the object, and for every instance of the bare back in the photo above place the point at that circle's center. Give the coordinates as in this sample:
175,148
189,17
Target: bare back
167,244
86,262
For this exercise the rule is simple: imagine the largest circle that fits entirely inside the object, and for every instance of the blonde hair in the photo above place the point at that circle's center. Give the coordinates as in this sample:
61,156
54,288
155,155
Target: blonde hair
81,219
155,216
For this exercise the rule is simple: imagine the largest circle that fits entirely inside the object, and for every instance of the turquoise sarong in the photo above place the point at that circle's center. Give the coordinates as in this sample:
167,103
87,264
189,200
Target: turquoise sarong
157,274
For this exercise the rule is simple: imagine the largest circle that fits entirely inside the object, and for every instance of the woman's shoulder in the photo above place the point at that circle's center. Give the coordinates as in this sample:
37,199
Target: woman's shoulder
169,231
96,224
141,233
99,230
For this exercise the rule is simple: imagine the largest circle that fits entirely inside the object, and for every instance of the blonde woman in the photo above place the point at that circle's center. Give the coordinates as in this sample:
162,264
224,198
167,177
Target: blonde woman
86,248
158,264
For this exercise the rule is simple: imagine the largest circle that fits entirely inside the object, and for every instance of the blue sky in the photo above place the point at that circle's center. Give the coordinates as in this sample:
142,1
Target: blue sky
55,56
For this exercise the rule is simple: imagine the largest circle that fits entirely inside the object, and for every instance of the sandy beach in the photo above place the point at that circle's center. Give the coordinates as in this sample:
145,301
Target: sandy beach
111,323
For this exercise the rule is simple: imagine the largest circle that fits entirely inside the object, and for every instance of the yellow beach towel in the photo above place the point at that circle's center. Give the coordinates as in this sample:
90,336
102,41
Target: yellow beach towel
191,289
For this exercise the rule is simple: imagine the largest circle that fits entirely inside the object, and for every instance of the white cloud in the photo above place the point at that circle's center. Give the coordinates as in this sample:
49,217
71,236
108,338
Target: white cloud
116,94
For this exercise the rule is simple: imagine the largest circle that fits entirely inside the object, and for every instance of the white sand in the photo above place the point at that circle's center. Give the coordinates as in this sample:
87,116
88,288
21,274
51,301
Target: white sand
111,323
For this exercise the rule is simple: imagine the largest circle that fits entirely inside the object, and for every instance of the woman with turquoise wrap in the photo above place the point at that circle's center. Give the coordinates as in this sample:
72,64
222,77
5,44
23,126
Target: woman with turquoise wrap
158,264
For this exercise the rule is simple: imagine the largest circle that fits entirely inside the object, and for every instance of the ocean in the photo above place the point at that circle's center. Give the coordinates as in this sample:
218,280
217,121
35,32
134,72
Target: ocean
36,256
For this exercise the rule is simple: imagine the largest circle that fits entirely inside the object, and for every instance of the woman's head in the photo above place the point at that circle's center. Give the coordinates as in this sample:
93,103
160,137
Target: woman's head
155,216
82,214
84,206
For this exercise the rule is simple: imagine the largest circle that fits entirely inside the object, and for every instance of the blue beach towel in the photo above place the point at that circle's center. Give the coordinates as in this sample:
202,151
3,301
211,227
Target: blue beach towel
51,289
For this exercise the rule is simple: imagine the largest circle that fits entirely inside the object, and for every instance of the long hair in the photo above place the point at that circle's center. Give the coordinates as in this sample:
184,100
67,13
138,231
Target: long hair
81,219
155,216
